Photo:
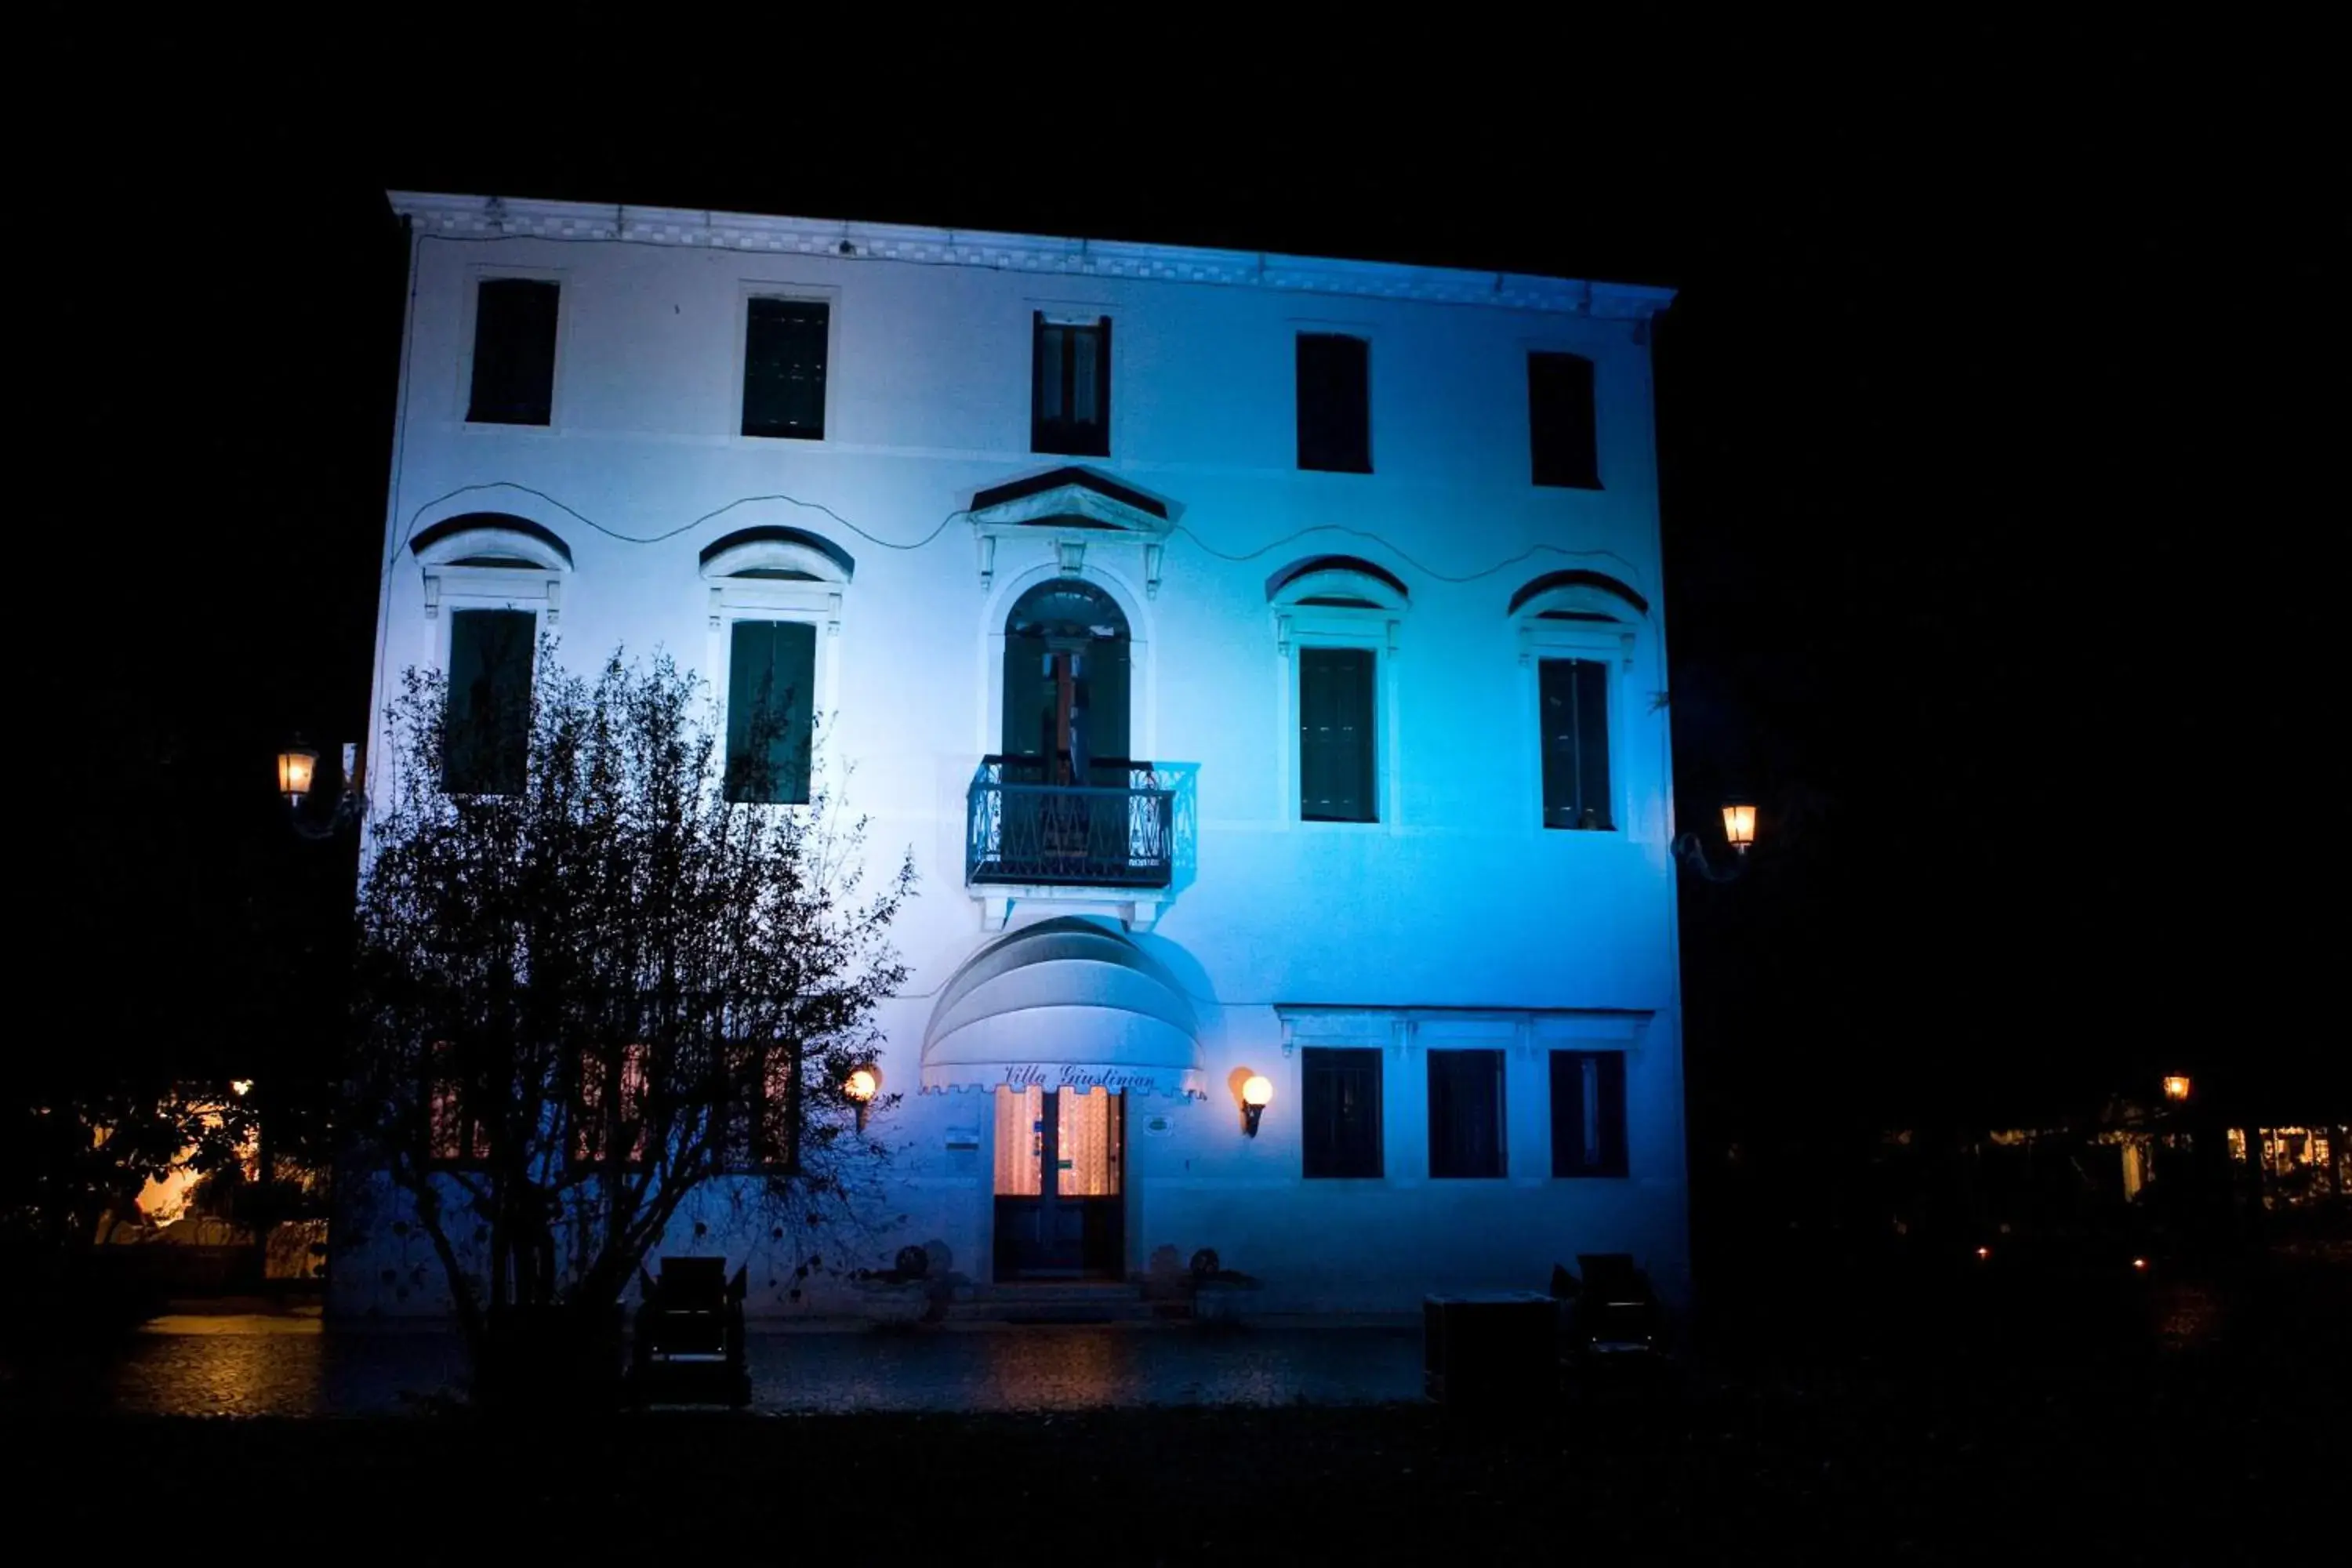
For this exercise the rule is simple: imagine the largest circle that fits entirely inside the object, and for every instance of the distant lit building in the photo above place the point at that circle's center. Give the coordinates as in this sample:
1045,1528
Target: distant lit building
1262,657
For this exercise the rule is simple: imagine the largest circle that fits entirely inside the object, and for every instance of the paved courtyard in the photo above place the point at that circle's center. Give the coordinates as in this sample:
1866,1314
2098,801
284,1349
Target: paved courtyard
293,1365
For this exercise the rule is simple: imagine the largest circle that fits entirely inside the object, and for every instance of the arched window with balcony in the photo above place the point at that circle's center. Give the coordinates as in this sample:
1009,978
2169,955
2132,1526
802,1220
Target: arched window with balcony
1066,678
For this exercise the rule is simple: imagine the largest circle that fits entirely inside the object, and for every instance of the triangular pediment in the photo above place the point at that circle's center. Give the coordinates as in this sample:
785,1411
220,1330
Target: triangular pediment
1070,497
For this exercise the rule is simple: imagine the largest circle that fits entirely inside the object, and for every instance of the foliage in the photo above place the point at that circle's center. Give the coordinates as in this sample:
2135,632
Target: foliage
71,1161
581,1002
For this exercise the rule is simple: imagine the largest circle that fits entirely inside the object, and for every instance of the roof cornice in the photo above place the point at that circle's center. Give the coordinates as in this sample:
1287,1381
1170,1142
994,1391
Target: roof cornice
497,217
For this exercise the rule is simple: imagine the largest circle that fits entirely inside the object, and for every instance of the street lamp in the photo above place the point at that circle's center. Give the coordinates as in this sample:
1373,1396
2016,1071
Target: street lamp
864,1082
297,771
296,765
2175,1088
1738,831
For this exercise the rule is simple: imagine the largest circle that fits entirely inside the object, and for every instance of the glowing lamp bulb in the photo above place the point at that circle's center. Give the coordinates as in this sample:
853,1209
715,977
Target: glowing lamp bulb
863,1085
1983,1253
2140,1263
240,1087
1257,1093
1739,824
295,764
2175,1088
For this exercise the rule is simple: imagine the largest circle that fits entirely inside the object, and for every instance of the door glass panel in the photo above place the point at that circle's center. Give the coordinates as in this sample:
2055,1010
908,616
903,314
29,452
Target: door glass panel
1020,1141
1089,1137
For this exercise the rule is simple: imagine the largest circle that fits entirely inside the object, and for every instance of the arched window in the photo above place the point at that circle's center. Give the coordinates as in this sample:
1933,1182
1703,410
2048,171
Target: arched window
775,606
1066,678
1336,620
1576,631
500,577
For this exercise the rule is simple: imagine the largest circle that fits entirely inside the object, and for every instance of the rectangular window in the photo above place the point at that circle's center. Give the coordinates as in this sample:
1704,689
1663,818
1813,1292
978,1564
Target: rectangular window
1336,693
763,1120
771,723
1588,1113
1560,427
514,351
1340,1116
784,345
1335,415
487,742
1574,695
1070,389
603,1121
1465,1113
457,1132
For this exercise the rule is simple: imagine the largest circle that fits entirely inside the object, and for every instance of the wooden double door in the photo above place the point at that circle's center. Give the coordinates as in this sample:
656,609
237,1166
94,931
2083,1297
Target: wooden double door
1061,1184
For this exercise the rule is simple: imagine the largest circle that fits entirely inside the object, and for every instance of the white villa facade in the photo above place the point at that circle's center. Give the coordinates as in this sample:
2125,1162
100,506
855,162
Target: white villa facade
1262,657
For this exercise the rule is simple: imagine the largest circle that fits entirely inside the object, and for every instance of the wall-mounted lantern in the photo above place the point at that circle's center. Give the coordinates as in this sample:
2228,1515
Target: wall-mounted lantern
2175,1088
1738,831
295,766
1257,1093
297,771
864,1082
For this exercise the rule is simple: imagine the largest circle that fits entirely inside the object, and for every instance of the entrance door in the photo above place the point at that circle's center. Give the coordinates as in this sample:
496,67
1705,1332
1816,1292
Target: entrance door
1060,1185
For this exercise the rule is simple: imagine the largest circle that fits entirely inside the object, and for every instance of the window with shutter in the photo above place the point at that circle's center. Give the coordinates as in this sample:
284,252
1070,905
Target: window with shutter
1573,697
514,351
1335,778
486,742
1070,388
1339,1111
770,715
1588,1113
1560,421
1335,431
784,346
1465,1113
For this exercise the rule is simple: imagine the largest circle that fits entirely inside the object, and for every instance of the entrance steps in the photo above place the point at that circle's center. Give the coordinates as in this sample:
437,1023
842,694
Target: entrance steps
1065,1301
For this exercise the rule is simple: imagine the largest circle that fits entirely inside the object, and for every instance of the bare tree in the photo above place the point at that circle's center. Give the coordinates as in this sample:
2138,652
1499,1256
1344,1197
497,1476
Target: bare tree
584,998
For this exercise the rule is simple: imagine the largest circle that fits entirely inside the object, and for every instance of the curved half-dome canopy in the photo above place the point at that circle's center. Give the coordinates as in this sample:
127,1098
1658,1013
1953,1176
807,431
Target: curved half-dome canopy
1063,1004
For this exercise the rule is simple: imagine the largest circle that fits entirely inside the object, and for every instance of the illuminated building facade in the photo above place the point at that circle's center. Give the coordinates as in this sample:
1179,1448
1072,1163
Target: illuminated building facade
1262,657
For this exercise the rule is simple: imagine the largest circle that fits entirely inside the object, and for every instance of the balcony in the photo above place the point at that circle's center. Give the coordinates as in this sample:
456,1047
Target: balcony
1125,836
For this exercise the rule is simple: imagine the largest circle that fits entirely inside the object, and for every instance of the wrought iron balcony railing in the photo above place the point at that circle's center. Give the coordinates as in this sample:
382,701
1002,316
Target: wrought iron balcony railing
1119,830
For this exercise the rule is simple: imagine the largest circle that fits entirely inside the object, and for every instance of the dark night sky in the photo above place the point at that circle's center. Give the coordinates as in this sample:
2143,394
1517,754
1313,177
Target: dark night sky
1992,419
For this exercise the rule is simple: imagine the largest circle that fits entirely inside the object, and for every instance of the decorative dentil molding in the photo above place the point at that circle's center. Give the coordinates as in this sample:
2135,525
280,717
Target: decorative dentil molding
494,218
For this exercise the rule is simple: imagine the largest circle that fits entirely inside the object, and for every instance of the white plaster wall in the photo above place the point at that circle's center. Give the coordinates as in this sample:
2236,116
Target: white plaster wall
1459,899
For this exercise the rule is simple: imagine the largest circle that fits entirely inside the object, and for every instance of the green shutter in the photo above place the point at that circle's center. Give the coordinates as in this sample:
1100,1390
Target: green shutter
770,711
487,742
1336,734
1028,703
1562,435
1574,697
514,351
1593,743
784,348
1106,709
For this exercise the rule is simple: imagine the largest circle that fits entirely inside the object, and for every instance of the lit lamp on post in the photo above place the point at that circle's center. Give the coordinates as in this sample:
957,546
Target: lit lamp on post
2175,1088
864,1082
1257,1093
